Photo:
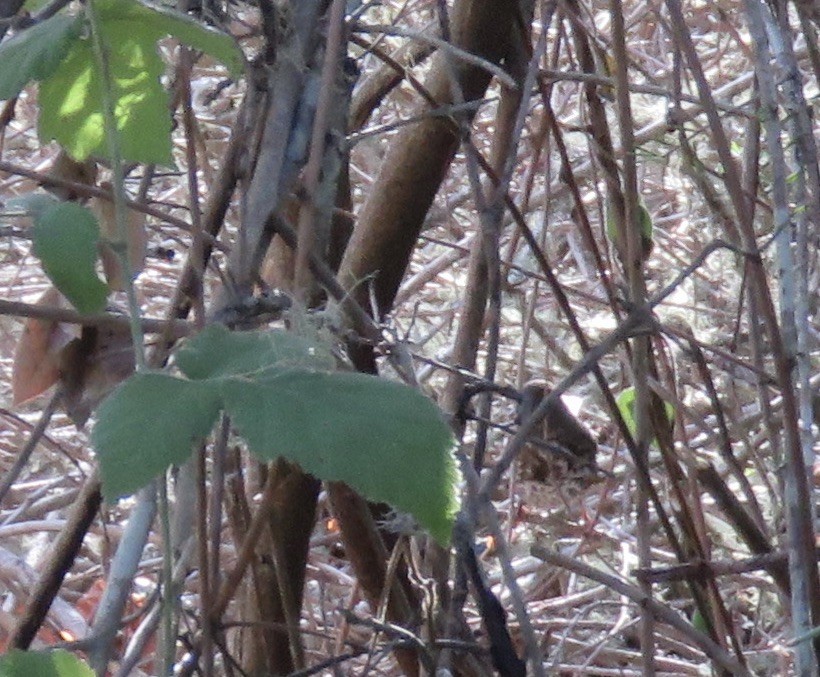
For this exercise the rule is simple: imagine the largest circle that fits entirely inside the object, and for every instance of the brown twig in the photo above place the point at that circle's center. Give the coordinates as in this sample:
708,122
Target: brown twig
59,562
660,611
176,328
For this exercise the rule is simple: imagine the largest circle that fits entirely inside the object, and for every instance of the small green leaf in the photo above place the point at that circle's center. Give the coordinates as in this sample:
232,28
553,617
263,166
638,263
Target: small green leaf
644,221
385,439
699,622
34,54
216,351
149,422
57,663
626,405
65,240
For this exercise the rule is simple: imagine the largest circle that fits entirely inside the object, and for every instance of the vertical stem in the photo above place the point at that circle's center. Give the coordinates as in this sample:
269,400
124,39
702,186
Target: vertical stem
168,635
637,292
307,220
101,51
802,564
205,581
197,242
760,19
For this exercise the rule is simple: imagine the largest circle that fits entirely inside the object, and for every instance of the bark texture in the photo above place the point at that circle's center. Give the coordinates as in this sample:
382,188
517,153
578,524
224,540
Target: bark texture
414,167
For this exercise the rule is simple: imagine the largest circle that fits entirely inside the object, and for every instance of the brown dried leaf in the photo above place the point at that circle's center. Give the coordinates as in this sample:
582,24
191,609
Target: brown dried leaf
91,366
36,358
137,240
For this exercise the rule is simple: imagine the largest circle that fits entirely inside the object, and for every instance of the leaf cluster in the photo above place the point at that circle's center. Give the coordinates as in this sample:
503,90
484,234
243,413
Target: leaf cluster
281,393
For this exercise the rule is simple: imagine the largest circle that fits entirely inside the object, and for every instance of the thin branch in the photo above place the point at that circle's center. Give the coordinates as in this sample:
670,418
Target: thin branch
440,44
660,611
150,325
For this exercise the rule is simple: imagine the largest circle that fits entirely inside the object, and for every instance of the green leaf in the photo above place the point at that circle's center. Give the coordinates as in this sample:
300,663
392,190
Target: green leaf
644,221
57,663
65,240
626,405
149,422
35,53
385,439
33,6
159,22
216,351
699,622
71,98
36,204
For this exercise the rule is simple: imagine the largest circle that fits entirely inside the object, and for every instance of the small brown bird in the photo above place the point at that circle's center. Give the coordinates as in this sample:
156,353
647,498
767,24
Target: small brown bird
91,366
561,451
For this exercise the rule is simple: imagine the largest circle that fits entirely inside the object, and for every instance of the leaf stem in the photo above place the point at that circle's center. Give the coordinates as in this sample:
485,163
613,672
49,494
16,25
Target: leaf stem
121,249
115,156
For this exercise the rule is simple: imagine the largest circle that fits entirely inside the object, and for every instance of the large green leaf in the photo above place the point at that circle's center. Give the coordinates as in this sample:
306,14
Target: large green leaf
216,351
65,240
34,54
57,663
384,439
149,422
71,99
